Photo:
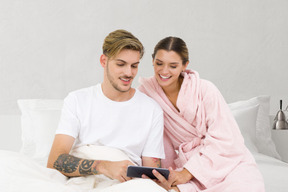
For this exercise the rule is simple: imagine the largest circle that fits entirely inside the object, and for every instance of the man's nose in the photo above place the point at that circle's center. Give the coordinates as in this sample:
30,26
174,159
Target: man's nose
128,71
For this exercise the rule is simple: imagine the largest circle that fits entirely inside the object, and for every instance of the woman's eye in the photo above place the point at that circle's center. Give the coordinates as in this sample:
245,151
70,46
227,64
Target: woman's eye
120,64
134,66
173,67
159,64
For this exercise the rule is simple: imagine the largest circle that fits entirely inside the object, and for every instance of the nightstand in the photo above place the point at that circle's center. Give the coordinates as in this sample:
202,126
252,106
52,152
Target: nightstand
280,138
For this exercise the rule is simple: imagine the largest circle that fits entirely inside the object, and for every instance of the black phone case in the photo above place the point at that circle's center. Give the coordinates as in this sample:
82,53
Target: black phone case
137,171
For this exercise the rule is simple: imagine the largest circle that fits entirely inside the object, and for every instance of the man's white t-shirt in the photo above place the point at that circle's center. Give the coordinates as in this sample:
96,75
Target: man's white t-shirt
134,126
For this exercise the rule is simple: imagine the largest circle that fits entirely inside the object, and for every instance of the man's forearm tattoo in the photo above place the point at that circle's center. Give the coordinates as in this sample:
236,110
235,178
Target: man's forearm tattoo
66,163
157,161
86,168
69,164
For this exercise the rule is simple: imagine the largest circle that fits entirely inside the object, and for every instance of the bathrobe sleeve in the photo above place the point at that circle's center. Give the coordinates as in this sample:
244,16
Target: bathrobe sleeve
222,147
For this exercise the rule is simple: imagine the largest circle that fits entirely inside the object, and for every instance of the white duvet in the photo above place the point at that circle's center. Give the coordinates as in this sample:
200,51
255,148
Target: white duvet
21,173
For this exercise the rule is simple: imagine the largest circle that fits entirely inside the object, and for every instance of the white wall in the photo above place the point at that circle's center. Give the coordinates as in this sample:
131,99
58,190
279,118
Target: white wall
51,47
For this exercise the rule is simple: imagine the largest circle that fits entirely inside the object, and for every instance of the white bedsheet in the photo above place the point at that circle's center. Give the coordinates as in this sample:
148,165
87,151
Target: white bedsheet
274,171
21,173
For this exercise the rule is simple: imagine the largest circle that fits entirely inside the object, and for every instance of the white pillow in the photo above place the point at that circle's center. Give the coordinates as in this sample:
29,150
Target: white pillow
264,141
246,120
39,121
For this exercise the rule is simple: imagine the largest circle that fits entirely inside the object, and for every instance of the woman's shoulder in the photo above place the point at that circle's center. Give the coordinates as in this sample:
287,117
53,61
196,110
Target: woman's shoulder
206,84
202,84
208,88
147,84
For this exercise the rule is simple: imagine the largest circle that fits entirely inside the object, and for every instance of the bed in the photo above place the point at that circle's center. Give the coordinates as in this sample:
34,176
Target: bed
26,170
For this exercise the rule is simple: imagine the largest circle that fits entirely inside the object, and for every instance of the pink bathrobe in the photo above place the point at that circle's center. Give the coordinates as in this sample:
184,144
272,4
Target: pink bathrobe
206,136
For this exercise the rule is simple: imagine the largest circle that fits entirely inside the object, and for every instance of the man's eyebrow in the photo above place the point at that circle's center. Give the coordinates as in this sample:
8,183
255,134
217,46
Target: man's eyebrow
121,60
126,62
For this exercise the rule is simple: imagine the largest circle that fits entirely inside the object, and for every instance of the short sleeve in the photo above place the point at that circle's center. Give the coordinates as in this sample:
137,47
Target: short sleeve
69,122
154,145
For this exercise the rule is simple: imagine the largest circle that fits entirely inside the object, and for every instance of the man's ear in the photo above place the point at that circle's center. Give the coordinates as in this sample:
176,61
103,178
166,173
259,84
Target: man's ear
103,60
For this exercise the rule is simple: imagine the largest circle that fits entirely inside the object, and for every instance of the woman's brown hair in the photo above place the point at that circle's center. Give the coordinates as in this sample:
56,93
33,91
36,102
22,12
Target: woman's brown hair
173,44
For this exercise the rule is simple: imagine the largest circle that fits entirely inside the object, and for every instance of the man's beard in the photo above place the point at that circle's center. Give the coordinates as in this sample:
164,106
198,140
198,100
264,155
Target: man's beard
112,81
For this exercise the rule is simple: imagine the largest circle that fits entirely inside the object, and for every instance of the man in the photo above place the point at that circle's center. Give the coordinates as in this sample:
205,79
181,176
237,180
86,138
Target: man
110,114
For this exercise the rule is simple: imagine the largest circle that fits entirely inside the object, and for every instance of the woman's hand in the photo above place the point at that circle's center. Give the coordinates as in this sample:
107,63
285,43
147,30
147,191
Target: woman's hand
161,180
179,177
175,178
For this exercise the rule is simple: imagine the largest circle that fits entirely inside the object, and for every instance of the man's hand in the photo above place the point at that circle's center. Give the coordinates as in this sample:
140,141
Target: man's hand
115,169
71,166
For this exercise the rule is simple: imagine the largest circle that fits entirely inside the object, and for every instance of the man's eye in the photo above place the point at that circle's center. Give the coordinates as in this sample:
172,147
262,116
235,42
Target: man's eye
120,64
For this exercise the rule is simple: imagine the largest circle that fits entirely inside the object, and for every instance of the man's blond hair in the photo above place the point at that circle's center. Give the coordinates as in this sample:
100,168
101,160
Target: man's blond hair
120,39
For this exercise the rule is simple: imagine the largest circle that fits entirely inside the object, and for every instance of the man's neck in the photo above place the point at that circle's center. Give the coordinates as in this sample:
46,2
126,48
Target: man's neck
115,95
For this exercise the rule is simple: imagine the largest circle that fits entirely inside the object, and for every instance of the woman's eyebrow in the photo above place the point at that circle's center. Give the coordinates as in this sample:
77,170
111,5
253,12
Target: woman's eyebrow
174,63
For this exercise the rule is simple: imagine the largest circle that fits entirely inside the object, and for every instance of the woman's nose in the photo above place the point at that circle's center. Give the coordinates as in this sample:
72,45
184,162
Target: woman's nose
165,69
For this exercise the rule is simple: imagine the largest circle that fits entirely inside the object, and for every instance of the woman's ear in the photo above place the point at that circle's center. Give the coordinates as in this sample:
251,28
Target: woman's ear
103,59
186,65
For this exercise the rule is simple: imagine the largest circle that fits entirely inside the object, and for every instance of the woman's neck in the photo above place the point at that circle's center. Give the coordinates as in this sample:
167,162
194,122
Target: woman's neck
174,88
173,91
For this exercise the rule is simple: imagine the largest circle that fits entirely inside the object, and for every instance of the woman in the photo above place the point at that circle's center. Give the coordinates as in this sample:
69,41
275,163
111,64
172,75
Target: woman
204,148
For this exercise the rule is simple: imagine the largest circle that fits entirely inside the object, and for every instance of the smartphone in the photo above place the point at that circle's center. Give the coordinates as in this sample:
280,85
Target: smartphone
138,171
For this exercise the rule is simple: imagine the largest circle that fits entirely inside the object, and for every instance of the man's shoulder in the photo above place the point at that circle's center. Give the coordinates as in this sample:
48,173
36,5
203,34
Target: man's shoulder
81,95
147,101
87,91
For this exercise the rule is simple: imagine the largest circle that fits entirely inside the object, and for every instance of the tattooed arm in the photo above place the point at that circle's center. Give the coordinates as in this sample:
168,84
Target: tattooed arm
68,165
151,162
72,166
